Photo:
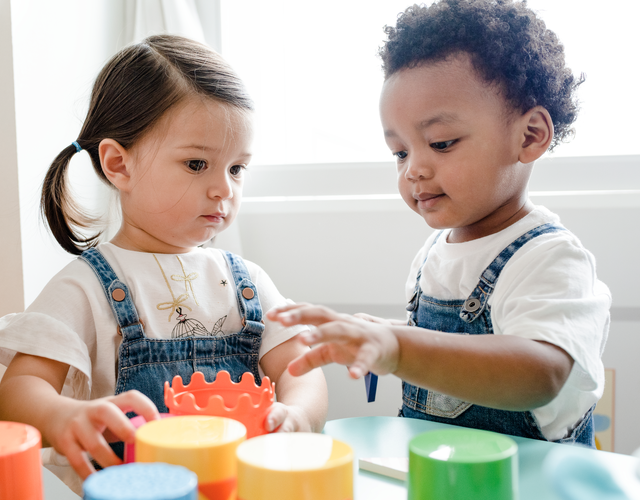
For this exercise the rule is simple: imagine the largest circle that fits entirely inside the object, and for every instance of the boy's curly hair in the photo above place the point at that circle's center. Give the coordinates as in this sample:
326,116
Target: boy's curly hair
508,44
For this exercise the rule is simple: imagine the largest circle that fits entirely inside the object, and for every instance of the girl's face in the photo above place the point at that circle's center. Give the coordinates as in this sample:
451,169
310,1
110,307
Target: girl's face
186,178
457,148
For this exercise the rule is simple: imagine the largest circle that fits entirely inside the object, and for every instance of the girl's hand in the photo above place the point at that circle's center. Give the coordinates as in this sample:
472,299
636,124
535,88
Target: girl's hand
283,418
361,345
79,427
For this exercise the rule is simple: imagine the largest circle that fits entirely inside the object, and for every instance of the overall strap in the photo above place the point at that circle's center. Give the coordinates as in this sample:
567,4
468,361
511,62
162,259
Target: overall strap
118,296
477,301
247,295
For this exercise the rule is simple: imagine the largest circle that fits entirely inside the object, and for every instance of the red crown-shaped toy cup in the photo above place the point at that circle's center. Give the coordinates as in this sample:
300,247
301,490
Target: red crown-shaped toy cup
244,401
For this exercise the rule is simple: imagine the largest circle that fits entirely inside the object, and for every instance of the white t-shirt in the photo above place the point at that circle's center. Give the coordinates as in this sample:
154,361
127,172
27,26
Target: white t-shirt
547,291
71,320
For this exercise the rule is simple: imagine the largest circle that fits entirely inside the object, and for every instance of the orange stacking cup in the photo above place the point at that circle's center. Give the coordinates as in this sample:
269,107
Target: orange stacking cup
202,444
244,401
20,465
295,466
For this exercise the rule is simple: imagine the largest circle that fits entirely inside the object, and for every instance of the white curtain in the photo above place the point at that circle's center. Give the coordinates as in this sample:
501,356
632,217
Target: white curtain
195,19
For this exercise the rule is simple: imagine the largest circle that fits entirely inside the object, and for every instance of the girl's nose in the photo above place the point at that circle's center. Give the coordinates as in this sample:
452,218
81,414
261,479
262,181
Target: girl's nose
220,187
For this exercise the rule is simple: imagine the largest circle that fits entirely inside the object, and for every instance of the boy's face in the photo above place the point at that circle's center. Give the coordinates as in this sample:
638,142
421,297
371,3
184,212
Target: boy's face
457,146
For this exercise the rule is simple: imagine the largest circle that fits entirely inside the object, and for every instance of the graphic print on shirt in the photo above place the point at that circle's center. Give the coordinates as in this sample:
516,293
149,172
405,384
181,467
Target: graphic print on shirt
188,327
176,302
187,280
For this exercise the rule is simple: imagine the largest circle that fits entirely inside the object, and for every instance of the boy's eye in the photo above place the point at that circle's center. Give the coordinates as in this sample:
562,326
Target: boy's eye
441,145
196,165
401,155
237,169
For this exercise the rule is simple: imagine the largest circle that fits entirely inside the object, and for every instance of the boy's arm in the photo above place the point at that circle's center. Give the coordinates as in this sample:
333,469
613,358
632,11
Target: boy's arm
498,371
30,393
302,400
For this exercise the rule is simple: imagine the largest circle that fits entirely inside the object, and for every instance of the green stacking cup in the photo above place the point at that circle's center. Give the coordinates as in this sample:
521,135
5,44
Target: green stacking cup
462,464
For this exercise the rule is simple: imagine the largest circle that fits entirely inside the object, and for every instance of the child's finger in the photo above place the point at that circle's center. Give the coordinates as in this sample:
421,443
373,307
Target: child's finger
94,443
309,315
275,418
315,358
78,460
137,402
273,312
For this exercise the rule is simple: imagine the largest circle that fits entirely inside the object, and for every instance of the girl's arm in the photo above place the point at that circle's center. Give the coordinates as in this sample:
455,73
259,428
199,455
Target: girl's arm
30,393
498,371
302,400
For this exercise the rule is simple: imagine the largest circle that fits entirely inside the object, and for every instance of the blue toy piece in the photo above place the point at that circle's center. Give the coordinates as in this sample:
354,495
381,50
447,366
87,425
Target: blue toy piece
371,384
142,481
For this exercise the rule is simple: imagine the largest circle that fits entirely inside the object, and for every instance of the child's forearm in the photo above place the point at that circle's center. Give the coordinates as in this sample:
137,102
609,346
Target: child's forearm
499,371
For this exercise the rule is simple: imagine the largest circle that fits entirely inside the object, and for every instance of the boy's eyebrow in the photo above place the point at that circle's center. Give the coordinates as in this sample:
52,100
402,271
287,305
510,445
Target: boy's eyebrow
439,118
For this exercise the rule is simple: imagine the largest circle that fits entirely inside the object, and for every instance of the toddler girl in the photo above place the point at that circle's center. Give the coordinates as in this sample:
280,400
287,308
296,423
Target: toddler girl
169,126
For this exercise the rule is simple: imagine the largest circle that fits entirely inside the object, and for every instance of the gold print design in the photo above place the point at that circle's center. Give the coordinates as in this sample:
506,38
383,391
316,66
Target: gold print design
163,306
187,280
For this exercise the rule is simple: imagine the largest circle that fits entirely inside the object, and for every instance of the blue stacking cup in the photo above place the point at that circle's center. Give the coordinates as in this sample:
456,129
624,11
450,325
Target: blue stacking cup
142,481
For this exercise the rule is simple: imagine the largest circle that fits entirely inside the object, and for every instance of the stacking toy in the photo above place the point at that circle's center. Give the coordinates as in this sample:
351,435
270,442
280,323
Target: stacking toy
20,465
457,464
202,444
130,448
142,482
244,401
295,466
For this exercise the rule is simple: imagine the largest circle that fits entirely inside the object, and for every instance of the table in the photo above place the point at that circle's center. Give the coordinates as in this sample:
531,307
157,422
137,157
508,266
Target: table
389,437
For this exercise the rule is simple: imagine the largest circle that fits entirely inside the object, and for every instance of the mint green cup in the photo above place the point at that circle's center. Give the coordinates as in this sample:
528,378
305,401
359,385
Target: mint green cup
457,464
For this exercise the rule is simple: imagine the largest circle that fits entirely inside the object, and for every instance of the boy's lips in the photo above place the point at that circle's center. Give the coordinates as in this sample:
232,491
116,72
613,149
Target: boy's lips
427,200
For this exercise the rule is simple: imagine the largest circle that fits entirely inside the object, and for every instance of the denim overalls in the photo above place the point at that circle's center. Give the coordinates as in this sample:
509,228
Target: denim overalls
473,317
146,363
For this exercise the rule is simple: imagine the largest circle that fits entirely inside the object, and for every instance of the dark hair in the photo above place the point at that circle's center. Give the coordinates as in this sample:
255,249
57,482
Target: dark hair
131,93
508,45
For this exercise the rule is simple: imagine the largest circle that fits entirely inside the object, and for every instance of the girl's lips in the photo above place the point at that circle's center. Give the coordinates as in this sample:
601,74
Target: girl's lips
217,217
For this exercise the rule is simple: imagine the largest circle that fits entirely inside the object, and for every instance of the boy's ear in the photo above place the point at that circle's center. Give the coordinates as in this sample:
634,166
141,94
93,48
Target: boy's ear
114,159
537,132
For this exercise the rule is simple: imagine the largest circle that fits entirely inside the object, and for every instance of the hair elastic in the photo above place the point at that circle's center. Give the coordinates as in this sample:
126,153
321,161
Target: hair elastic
78,147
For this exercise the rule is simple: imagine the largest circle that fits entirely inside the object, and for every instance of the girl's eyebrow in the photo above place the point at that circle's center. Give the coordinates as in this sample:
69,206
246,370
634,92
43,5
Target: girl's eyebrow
199,147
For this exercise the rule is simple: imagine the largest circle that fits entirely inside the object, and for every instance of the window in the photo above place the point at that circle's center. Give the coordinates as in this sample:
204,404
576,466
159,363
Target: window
313,70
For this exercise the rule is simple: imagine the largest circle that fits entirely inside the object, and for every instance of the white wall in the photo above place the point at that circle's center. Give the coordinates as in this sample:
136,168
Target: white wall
58,49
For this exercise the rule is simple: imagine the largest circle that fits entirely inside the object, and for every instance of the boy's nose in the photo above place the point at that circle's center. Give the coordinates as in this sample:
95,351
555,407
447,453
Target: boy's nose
419,168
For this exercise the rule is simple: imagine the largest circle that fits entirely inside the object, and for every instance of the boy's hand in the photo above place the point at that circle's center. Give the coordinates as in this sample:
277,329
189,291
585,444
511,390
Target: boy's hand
361,345
80,427
283,418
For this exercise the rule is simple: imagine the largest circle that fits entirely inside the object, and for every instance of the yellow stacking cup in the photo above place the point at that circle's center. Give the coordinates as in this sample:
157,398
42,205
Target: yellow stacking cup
296,466
202,444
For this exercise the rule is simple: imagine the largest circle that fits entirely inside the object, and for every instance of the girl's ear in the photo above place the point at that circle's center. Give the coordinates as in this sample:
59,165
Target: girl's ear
115,163
538,134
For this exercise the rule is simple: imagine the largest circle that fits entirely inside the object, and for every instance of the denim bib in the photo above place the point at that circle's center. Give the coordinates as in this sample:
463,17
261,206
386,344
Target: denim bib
473,317
146,363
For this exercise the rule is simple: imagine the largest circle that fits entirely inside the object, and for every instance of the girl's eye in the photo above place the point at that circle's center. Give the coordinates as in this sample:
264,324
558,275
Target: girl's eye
442,145
196,165
401,155
237,169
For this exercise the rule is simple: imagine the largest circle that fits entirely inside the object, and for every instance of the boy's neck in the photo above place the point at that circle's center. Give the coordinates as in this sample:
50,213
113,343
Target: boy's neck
494,223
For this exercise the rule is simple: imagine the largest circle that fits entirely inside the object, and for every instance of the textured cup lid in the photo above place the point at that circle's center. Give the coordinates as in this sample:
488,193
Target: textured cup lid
463,446
138,481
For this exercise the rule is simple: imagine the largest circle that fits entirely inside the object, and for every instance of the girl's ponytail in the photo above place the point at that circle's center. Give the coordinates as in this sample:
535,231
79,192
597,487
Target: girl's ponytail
63,215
